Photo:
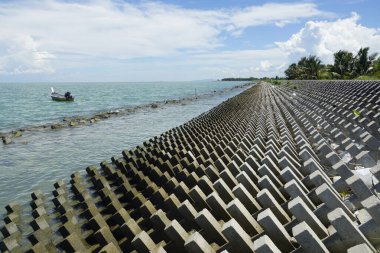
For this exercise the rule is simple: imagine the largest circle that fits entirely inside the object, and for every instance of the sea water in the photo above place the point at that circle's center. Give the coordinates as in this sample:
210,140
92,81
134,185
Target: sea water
39,158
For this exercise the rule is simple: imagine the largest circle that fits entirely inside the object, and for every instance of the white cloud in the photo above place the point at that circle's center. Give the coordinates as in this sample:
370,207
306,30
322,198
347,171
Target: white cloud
243,63
278,13
23,57
93,30
324,38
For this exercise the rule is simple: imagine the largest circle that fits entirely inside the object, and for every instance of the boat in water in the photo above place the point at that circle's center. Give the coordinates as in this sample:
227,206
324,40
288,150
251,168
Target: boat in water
60,97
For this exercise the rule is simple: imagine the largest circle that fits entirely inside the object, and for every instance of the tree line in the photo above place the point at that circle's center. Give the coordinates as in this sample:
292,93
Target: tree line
362,65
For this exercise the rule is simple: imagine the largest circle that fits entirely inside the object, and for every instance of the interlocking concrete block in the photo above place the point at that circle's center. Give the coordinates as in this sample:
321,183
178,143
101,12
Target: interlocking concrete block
267,200
197,244
130,229
264,170
211,226
361,248
303,213
176,233
159,219
243,179
143,243
104,236
218,206
243,217
308,240
199,198
223,190
332,201
72,243
287,175
246,198
228,178
274,229
265,245
110,248
266,183
294,190
372,205
239,240
347,230
188,211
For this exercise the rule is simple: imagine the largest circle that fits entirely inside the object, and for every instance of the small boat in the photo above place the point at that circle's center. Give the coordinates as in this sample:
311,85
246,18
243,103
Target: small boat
59,97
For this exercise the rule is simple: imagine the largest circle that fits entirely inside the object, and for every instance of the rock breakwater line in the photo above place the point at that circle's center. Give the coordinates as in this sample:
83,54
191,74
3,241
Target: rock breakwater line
78,121
253,174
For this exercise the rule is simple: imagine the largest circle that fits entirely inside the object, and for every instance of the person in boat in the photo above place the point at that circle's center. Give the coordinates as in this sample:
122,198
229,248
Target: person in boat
68,95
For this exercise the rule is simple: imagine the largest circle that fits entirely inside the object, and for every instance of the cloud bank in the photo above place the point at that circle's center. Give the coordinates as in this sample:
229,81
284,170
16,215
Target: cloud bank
33,33
153,40
323,38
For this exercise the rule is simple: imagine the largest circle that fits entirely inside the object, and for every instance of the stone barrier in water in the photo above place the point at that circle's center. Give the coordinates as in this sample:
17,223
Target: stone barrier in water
274,169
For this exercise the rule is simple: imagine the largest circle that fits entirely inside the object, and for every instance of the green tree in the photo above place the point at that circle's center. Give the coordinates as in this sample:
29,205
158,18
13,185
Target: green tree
363,61
343,64
291,72
376,65
310,67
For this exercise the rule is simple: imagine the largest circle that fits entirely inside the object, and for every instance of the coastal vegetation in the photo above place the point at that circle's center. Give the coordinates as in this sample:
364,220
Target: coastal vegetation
362,65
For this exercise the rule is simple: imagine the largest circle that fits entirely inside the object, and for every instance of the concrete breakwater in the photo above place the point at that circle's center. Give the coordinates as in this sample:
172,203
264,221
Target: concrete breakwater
251,175
85,120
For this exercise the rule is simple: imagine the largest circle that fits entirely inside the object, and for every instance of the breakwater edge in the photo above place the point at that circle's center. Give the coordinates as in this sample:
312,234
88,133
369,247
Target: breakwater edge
84,116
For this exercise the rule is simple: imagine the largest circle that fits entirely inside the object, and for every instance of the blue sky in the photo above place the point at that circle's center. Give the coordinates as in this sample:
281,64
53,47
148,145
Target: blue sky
173,40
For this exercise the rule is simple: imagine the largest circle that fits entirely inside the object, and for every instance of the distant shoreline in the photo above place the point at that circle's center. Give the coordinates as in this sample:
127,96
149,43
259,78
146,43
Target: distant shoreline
80,120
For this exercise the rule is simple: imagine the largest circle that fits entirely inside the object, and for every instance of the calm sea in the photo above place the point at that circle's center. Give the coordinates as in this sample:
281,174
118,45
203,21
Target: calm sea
39,158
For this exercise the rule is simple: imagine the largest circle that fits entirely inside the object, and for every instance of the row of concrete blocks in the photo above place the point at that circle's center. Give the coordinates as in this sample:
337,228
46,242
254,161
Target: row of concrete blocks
223,191
367,158
367,111
346,120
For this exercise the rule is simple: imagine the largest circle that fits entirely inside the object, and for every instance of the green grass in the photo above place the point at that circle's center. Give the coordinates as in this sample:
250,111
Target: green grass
374,76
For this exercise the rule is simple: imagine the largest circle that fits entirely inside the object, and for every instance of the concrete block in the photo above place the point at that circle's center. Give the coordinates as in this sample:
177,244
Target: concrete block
265,170
308,240
239,240
246,198
223,190
197,244
266,183
303,213
243,217
372,205
243,179
265,245
361,248
211,226
274,229
294,190
332,201
228,178
287,175
218,206
199,198
176,233
347,230
246,167
267,200
143,243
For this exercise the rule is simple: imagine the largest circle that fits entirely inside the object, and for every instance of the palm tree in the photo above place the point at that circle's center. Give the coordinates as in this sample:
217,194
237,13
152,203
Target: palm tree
292,72
343,63
310,67
363,61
